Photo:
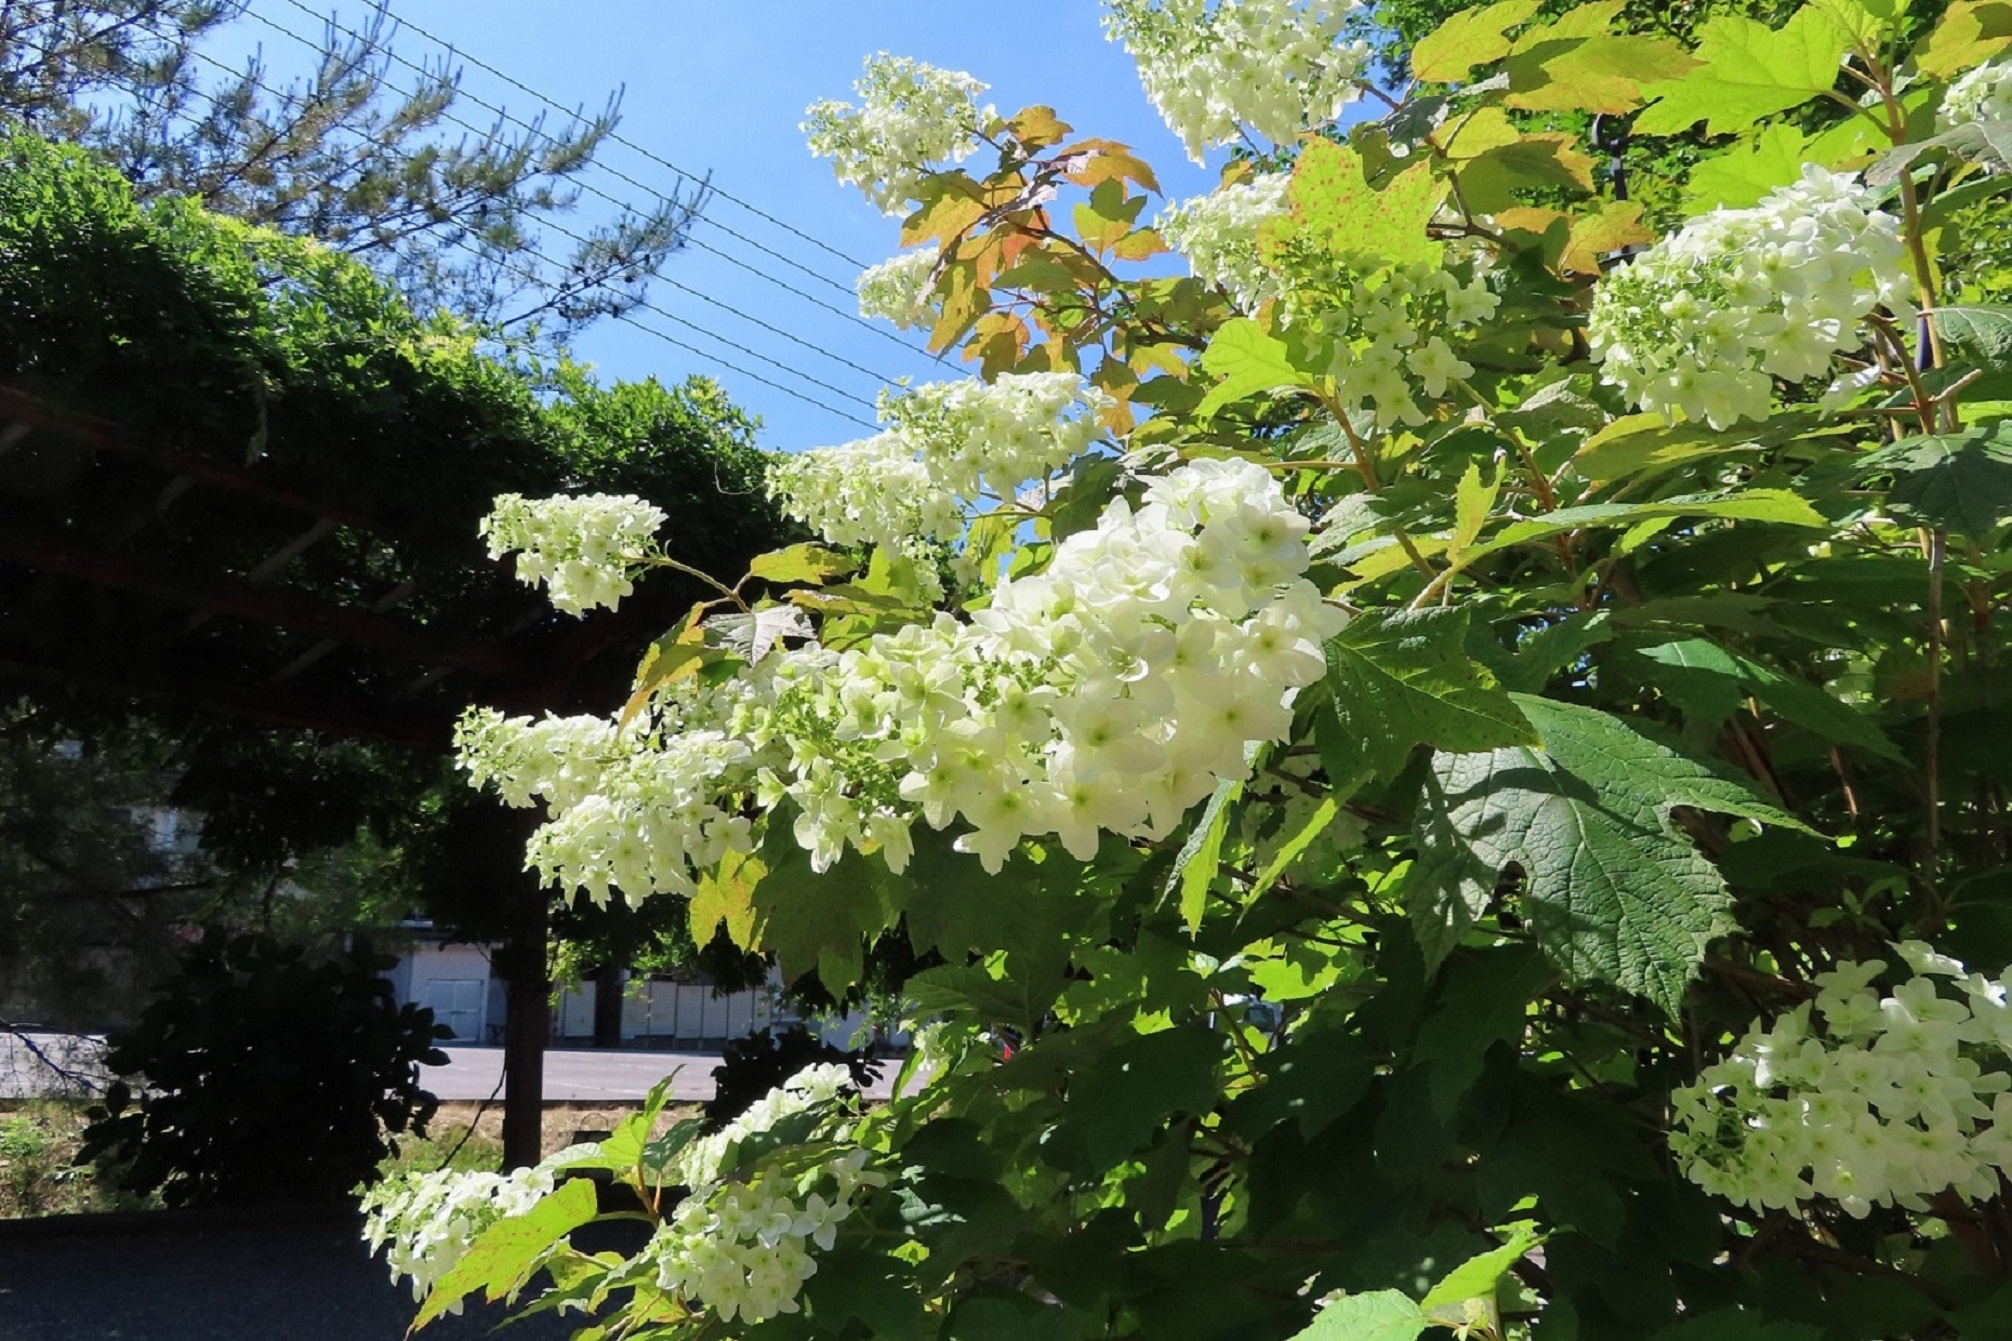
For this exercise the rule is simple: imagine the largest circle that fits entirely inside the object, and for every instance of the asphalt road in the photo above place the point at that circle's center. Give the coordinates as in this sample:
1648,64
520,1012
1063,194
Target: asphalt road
588,1076
571,1075
302,1282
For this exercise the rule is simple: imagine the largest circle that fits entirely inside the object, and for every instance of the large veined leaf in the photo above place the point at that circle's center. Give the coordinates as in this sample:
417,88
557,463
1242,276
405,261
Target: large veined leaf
1705,678
1747,170
1613,890
1749,72
1400,679
1377,1315
1981,335
1960,481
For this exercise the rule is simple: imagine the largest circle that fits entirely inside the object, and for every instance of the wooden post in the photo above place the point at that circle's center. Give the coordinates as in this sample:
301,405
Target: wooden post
528,992
608,1006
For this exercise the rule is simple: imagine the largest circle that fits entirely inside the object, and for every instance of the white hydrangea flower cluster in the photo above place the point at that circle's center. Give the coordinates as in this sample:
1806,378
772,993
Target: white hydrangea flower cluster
1702,322
1862,1098
1981,98
983,438
586,549
1394,331
1212,68
631,811
428,1220
910,115
897,289
875,491
1217,233
1108,693
740,1247
948,443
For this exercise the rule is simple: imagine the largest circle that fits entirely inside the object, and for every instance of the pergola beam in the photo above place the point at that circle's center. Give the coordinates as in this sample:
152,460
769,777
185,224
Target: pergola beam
22,411
259,604
367,721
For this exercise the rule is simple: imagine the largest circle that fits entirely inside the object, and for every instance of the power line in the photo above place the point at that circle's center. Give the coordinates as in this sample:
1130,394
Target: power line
623,317
612,136
644,303
704,182
626,143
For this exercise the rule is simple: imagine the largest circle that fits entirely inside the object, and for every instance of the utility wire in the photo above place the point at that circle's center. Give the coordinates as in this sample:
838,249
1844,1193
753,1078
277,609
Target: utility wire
626,143
612,136
640,302
540,281
589,187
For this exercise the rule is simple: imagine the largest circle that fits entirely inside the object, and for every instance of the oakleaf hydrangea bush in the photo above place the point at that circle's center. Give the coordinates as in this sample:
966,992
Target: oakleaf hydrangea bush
1422,729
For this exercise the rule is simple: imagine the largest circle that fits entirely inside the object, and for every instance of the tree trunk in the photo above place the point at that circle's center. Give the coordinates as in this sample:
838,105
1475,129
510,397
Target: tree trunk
522,963
608,982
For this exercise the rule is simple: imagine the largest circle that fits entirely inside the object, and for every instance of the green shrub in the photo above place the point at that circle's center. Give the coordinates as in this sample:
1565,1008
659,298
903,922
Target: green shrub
258,1076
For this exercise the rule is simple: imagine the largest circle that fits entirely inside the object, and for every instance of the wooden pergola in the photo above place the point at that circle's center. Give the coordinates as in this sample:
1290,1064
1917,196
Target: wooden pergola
153,570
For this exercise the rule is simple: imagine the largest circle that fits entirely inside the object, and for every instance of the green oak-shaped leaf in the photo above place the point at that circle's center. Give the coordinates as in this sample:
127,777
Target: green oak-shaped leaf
1747,170
1749,72
1337,212
1959,481
1613,890
1969,33
1403,678
1379,1315
1467,39
1249,361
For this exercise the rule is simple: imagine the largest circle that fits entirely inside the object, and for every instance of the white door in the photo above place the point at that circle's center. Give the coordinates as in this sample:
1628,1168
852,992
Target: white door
457,1003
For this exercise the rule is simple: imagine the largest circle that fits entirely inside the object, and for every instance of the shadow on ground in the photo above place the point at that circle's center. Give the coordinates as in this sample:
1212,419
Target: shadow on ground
310,1281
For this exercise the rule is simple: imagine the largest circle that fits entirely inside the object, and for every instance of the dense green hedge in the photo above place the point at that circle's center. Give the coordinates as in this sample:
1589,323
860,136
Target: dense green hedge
244,343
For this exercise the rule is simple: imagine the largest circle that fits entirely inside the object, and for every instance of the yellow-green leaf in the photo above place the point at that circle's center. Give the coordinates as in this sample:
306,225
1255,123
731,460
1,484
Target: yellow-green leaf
726,895
1749,72
1593,74
1199,861
801,563
1335,210
1970,32
1592,20
1470,38
1486,127
1614,225
504,1255
1038,127
1249,361
1645,443
1747,169
1488,182
1472,499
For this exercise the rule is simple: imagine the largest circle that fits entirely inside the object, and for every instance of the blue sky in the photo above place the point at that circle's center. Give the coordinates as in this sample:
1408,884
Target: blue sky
720,88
